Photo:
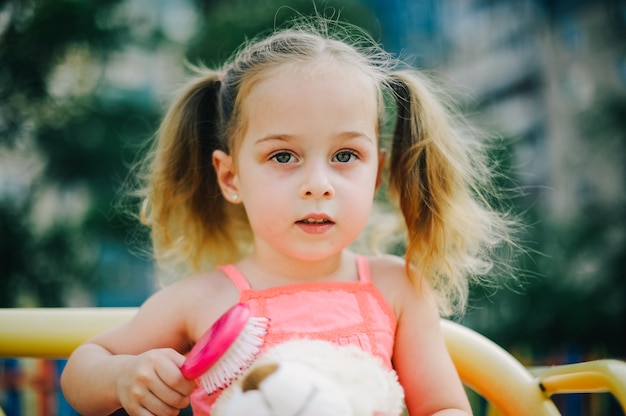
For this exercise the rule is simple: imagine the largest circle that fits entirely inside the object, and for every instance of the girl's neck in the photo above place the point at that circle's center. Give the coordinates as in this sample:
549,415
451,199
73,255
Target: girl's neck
264,272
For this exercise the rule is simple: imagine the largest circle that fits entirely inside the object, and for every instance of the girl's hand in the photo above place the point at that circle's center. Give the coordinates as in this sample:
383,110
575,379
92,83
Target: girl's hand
153,385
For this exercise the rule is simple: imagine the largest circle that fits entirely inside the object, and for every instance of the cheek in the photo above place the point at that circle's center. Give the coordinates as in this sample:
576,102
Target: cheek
363,182
259,189
360,205
358,196
264,204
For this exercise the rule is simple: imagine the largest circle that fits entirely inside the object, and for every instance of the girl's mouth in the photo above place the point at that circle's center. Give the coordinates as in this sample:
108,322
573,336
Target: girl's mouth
315,224
315,221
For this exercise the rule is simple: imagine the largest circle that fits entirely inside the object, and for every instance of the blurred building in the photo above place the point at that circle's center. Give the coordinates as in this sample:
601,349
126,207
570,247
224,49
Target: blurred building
528,70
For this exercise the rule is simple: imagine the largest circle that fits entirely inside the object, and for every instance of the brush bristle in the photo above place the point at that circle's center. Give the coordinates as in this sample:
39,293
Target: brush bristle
238,357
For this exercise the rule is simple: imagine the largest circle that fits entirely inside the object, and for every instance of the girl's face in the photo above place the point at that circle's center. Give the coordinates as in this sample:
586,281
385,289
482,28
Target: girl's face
308,164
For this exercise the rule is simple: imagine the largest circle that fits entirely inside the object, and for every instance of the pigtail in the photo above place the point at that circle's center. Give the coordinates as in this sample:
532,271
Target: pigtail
191,222
438,178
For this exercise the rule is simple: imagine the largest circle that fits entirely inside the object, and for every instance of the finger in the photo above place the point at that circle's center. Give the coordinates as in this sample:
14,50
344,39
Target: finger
147,404
154,405
144,398
169,396
175,356
135,410
172,376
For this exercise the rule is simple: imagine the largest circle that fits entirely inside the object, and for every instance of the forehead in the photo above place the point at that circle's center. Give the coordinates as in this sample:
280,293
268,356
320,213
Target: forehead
319,76
324,65
303,97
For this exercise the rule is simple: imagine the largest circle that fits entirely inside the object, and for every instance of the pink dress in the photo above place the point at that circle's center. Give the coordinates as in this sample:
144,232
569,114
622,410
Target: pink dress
345,313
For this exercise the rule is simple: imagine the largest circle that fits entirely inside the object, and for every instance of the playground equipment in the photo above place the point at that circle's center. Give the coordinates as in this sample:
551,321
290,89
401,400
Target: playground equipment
489,370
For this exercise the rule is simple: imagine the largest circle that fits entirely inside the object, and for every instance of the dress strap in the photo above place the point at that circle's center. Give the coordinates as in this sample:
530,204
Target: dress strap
233,273
363,269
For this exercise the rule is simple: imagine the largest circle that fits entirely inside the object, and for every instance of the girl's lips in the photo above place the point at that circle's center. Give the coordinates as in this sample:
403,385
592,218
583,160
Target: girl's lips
315,224
315,227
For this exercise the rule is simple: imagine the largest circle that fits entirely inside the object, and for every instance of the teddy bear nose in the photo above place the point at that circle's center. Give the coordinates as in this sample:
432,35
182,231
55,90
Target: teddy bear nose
254,379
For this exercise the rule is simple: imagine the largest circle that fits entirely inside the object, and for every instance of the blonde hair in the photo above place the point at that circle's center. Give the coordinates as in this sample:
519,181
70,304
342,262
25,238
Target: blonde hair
437,177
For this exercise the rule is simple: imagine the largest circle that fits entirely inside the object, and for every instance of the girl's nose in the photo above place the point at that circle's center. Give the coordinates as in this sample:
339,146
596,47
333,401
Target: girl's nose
316,182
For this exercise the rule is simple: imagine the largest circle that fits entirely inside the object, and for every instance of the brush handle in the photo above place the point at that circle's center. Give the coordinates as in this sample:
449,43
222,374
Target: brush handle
215,341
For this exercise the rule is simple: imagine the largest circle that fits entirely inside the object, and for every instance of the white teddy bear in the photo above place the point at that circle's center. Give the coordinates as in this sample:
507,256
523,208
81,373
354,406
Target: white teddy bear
313,378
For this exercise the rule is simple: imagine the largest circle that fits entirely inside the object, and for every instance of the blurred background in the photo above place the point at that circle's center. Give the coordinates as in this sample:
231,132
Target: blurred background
83,85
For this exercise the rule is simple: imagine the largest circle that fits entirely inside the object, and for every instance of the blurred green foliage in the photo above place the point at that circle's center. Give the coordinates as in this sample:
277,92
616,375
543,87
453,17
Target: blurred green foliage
571,293
78,144
55,139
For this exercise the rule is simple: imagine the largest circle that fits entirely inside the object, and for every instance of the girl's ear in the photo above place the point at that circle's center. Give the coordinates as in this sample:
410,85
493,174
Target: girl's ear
226,176
382,154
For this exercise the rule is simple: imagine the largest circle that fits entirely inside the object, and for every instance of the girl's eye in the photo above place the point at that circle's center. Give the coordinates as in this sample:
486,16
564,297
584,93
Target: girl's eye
344,156
282,157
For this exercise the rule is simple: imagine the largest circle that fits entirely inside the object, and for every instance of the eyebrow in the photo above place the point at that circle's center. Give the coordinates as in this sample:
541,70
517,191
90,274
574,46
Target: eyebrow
344,136
273,137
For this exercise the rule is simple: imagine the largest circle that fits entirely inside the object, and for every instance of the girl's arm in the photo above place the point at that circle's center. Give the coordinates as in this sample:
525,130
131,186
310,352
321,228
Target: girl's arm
425,370
137,365
96,382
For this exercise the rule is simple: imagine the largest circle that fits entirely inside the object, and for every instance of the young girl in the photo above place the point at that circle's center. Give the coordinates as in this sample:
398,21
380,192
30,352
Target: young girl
271,164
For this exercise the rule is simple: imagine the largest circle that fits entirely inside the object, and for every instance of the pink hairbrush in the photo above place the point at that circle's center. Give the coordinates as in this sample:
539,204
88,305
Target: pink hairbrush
226,349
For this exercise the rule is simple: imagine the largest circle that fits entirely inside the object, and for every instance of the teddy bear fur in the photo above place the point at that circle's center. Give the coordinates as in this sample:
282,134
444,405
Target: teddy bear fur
313,378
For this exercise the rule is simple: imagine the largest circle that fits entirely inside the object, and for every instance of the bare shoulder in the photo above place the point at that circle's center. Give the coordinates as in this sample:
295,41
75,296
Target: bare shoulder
208,288
175,316
196,301
389,274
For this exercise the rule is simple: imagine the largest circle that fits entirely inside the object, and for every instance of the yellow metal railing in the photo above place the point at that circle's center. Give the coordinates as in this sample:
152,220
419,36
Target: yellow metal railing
54,332
483,366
